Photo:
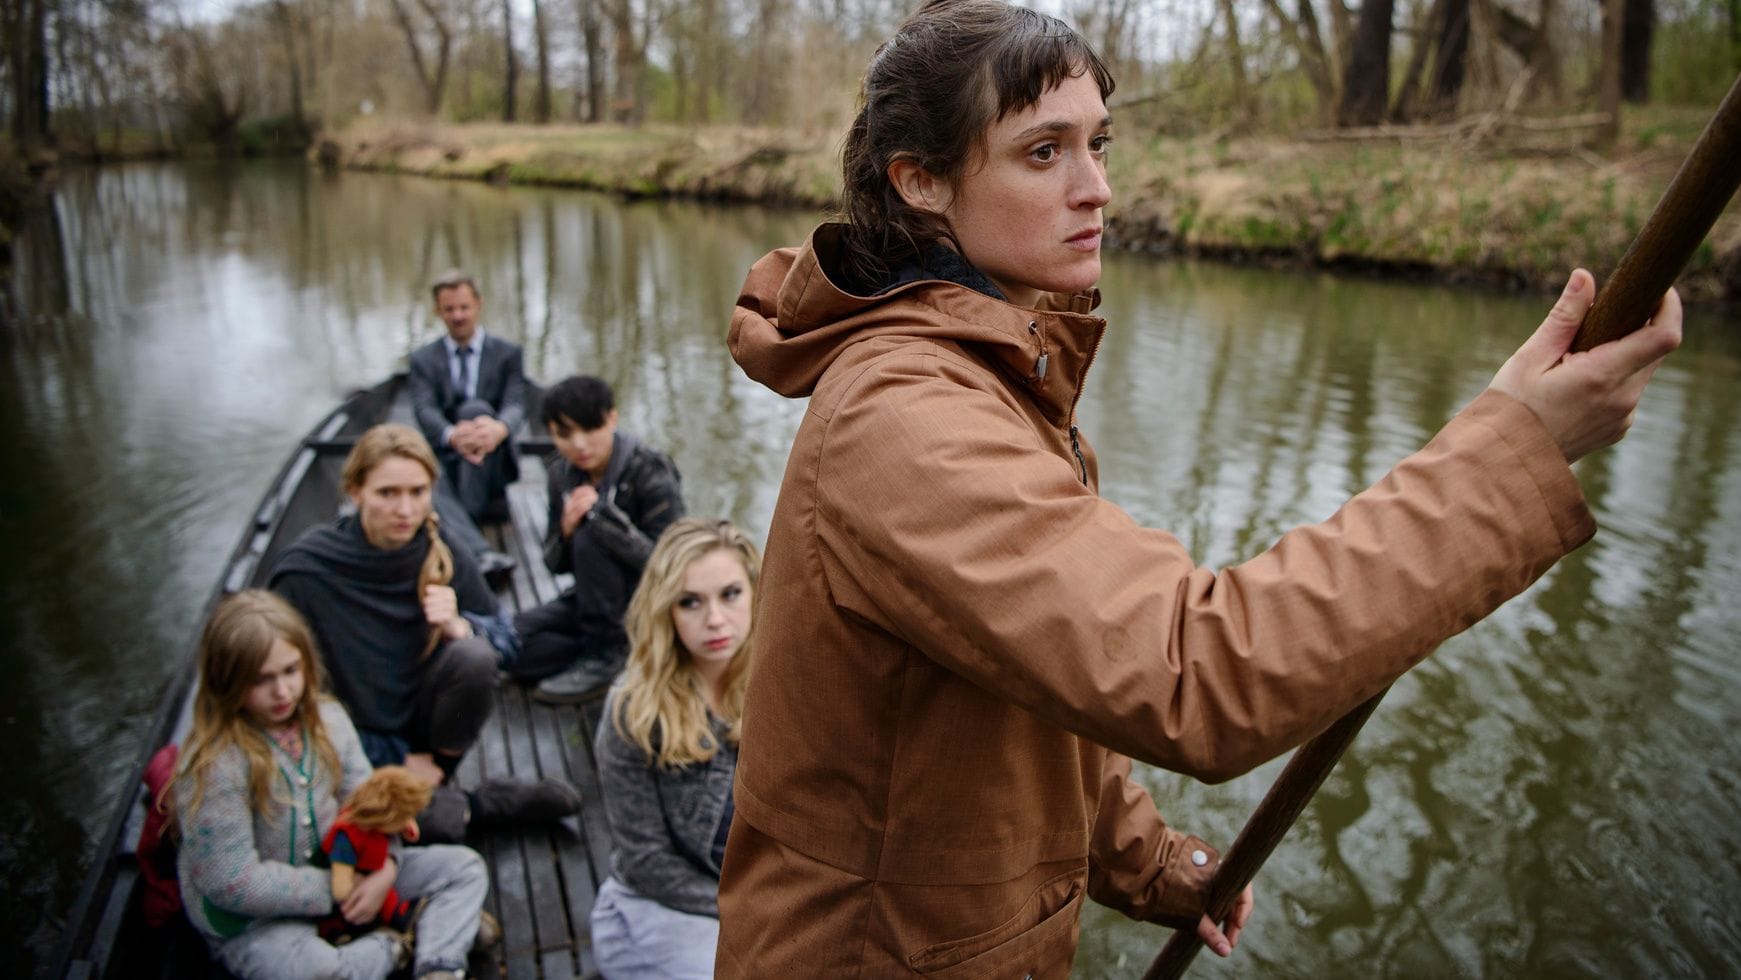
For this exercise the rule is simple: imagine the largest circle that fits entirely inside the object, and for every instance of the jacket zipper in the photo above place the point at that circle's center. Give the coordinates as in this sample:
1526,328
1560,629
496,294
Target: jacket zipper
1075,445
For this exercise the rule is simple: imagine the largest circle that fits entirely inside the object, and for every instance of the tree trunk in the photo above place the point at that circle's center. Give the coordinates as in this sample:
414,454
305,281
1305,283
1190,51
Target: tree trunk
434,79
707,61
592,42
541,103
1613,16
1321,63
1544,56
1451,59
1637,26
759,105
287,35
1242,102
1341,37
29,57
1303,36
512,79
1366,85
1402,109
629,58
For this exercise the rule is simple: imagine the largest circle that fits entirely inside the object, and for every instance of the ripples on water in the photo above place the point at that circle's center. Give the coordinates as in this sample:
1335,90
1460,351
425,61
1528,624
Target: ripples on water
1551,794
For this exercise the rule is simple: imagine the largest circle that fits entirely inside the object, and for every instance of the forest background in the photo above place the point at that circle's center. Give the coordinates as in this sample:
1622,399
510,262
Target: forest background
1501,140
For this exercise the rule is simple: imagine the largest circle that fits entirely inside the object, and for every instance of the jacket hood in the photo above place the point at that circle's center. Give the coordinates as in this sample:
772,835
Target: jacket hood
793,320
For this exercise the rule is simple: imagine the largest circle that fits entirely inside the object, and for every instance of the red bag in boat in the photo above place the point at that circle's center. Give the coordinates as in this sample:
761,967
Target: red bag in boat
161,900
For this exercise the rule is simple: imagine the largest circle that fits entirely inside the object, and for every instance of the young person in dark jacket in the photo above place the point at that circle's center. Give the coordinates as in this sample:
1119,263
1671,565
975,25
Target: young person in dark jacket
411,635
611,496
667,750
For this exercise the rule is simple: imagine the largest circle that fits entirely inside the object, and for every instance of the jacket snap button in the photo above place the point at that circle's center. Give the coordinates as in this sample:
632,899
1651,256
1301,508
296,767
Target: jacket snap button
1199,858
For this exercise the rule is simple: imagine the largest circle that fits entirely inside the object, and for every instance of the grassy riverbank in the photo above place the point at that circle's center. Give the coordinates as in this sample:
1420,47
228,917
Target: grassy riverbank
1456,208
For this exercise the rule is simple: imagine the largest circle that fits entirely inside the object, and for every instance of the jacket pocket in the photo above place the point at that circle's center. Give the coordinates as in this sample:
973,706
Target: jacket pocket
1038,941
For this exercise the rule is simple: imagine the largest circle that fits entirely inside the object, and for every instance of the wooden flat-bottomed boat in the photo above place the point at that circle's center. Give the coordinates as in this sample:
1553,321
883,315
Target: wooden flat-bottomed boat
542,879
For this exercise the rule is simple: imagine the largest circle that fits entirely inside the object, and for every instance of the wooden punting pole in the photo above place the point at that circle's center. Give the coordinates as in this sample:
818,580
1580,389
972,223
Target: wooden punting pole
1701,189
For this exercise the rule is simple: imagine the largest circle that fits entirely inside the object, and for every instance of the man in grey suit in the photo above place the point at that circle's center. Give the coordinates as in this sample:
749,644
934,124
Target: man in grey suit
469,392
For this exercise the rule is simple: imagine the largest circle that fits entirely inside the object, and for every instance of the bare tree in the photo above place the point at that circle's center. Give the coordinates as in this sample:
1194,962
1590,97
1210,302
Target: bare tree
1303,36
1638,24
631,23
1444,36
1243,103
511,78
541,31
761,104
1366,83
25,25
433,77
293,30
592,50
213,82
1608,97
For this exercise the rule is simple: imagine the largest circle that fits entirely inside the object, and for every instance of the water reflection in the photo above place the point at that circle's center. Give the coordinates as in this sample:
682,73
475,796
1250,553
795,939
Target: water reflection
1552,793
1542,797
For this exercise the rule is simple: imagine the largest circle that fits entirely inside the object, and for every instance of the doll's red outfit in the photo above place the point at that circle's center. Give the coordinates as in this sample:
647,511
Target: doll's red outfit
366,850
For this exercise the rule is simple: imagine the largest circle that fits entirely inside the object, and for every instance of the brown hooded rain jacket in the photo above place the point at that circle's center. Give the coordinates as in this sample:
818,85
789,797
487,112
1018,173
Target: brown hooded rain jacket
959,643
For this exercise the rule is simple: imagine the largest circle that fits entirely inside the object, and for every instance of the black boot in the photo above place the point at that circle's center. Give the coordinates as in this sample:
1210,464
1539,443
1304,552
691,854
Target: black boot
509,802
443,821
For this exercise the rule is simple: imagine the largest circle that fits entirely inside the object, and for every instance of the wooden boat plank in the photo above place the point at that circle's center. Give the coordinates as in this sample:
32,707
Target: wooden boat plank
526,505
542,876
555,730
492,905
491,748
580,764
557,965
507,864
520,592
519,939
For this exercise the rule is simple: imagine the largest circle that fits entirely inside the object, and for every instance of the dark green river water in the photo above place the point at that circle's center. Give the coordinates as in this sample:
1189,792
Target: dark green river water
1554,793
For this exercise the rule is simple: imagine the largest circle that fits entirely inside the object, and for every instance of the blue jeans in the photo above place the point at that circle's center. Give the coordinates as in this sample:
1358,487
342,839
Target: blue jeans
454,880
635,938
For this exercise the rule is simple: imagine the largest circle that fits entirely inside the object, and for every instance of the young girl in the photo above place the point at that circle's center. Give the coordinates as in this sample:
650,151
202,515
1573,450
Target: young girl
263,770
962,642
667,747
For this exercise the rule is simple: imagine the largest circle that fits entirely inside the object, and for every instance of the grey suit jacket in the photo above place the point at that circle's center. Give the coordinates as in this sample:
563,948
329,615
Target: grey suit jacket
501,382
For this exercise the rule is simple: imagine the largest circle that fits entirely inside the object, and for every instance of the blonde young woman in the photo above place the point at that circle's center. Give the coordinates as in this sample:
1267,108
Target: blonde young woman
411,633
260,780
667,748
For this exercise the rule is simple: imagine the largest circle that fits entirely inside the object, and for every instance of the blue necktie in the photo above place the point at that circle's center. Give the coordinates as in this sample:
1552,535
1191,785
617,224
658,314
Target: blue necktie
465,372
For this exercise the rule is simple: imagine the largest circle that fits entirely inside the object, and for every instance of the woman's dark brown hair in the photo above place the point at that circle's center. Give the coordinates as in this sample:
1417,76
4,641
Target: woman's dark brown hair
930,94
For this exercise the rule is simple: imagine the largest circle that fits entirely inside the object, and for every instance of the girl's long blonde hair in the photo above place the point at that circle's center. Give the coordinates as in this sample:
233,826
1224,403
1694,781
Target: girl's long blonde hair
662,697
234,645
379,444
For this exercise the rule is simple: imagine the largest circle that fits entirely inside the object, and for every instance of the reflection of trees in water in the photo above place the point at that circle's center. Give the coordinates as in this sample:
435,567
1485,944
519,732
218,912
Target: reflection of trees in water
36,288
1617,736
1502,793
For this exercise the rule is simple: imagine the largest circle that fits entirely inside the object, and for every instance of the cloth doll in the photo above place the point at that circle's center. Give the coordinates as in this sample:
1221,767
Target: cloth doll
383,807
